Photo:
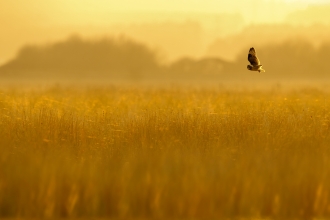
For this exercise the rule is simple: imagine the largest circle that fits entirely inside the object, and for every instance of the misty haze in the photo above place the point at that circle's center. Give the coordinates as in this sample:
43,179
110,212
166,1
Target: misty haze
186,45
149,110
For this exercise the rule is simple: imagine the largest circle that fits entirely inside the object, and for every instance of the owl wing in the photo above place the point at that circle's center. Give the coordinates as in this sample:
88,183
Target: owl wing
252,57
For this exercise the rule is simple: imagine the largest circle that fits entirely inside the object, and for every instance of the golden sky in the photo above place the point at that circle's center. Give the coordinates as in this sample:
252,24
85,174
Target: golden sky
94,11
40,21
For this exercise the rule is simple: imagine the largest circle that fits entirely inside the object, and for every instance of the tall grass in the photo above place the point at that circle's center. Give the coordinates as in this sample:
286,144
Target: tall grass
164,153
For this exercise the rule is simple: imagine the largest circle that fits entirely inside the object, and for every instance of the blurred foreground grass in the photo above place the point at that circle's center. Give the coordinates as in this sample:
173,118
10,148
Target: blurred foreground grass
164,153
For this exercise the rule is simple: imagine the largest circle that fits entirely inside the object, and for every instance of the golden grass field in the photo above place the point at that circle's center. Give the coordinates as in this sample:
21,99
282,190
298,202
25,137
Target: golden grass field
164,152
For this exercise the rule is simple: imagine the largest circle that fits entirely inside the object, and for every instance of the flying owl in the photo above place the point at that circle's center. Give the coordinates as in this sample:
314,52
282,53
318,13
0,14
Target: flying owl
255,62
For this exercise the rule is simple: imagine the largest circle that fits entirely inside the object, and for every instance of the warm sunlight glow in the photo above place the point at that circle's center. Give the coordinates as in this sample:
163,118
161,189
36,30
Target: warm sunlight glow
308,1
39,21
164,109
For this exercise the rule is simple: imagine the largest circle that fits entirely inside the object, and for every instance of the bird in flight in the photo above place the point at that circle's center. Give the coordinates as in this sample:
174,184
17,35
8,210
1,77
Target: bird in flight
255,62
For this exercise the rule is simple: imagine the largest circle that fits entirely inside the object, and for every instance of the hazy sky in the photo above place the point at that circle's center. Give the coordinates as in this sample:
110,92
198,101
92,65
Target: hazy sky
35,21
94,11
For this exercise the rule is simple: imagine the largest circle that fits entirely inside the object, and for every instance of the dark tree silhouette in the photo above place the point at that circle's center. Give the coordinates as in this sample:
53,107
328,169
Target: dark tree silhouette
74,56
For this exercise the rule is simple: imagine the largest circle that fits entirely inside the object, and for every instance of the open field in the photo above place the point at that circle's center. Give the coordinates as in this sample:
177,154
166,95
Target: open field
164,152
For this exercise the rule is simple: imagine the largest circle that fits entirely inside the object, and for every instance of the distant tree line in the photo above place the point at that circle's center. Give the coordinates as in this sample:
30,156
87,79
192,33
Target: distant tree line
122,57
75,56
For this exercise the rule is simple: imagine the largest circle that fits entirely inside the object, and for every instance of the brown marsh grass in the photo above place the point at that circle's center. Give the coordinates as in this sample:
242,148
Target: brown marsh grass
164,153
